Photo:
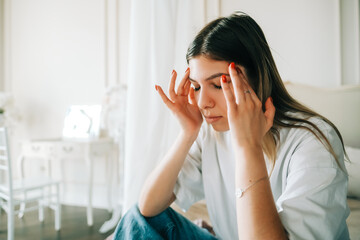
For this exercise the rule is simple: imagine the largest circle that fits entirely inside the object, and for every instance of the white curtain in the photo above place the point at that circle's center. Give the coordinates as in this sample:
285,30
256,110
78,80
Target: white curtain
160,32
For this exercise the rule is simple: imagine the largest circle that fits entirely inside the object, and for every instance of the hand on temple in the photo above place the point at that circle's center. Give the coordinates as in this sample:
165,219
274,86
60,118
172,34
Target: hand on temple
182,104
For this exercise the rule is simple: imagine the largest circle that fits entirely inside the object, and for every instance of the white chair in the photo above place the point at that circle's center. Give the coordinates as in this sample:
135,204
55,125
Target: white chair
16,193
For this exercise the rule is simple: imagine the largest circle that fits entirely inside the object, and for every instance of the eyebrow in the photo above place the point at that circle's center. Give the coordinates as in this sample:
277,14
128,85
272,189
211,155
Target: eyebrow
211,77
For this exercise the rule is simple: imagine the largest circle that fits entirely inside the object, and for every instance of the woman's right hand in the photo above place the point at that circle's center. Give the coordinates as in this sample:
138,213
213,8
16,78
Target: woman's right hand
182,103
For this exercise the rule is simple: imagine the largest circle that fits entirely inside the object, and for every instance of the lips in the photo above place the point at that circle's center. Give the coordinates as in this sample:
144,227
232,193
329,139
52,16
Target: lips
212,119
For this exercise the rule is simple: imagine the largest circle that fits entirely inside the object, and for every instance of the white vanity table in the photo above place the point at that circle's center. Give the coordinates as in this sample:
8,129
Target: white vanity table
88,149
81,141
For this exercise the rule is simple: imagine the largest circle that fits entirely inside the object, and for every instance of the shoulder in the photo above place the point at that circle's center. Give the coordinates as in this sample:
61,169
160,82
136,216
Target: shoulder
305,145
308,131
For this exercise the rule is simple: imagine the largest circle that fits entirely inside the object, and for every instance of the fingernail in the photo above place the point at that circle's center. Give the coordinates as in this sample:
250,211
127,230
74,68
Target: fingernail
187,70
173,71
232,65
156,87
223,78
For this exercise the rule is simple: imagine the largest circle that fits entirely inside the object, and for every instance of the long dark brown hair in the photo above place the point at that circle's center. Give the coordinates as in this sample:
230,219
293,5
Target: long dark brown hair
239,39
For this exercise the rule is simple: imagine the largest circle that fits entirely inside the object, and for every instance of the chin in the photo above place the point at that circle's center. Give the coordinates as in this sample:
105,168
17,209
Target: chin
220,127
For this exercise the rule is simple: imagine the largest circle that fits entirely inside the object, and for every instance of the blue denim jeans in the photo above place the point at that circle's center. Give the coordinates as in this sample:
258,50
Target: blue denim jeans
167,225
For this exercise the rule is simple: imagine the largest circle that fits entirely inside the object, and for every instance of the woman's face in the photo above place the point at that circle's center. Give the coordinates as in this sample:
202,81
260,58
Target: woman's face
205,74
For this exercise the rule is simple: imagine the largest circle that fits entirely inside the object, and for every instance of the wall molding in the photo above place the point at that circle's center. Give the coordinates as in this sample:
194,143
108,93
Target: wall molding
6,41
212,10
339,69
350,41
112,43
1,45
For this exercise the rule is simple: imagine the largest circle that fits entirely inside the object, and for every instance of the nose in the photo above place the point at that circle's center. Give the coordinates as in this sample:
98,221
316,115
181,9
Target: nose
205,100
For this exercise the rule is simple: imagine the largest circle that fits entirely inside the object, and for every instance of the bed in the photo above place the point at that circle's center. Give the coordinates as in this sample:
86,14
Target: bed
340,105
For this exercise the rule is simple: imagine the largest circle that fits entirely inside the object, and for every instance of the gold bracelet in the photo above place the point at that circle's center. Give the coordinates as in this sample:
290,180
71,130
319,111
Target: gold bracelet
239,191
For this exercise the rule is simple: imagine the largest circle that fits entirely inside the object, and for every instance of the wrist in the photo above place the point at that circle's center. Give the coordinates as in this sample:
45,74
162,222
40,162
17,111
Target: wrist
248,148
189,136
246,144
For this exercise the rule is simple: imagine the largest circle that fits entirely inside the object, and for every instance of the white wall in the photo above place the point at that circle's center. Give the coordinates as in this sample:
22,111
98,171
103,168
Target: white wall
304,37
57,60
62,53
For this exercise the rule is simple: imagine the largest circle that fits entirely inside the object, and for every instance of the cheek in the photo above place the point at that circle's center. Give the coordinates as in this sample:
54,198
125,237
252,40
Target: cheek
221,102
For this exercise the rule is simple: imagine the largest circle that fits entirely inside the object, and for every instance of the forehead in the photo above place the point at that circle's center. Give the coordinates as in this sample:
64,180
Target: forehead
201,68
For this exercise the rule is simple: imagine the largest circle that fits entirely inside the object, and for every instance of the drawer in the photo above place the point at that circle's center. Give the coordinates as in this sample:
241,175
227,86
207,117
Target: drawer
71,150
38,149
101,149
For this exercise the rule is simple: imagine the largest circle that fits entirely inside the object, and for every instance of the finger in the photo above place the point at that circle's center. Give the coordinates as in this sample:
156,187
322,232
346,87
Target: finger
269,113
249,92
237,84
192,97
172,85
231,86
228,93
180,89
187,87
163,96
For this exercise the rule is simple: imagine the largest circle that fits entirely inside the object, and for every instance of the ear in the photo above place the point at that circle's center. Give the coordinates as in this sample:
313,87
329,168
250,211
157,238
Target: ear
269,113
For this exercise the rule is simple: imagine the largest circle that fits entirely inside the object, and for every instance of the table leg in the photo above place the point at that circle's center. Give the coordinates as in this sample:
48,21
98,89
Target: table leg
20,163
89,210
114,220
117,211
110,158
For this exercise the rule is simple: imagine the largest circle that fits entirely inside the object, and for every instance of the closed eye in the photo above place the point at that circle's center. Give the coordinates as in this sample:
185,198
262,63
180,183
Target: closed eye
195,88
217,87
198,88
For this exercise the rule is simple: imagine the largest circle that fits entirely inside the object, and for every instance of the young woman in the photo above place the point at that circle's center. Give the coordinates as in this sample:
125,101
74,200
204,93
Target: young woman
267,166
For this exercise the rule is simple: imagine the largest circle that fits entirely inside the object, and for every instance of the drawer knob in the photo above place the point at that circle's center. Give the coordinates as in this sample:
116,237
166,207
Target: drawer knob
35,148
67,149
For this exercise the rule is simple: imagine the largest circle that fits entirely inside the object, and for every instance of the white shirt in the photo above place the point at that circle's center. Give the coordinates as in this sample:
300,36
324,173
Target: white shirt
308,186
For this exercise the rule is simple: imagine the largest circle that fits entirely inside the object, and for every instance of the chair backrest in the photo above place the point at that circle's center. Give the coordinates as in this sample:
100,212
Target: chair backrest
5,161
114,112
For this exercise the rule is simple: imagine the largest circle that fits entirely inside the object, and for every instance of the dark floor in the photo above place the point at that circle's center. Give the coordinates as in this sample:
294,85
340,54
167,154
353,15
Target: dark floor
73,225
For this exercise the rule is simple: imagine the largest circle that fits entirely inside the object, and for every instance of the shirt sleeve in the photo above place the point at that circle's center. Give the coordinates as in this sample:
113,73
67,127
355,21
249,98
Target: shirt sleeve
189,185
313,204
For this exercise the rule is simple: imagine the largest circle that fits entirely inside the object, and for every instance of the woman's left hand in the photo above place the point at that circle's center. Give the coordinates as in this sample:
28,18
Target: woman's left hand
248,123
